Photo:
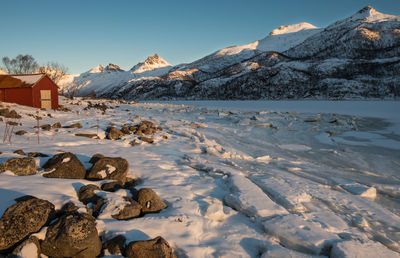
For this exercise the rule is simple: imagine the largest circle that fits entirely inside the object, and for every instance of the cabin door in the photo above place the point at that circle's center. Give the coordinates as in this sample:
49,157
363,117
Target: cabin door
45,99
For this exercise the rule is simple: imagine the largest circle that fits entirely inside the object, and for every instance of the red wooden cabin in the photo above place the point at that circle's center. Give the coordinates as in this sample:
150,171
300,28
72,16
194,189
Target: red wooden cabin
34,90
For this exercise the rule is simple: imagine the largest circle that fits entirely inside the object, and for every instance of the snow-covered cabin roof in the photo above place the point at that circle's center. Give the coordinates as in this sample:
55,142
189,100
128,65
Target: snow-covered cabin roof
19,80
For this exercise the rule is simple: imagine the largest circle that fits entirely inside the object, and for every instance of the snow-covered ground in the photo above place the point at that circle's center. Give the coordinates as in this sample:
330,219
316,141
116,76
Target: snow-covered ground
241,179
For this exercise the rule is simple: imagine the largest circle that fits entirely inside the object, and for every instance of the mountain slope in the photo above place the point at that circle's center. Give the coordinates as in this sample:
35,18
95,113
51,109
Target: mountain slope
357,57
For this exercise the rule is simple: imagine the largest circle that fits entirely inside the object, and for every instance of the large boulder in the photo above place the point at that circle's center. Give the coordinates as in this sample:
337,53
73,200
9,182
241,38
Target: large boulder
109,168
150,201
73,235
131,210
27,216
113,133
154,248
64,165
21,166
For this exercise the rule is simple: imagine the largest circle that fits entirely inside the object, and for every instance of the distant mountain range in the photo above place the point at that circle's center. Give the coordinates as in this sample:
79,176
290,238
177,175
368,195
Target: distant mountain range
354,58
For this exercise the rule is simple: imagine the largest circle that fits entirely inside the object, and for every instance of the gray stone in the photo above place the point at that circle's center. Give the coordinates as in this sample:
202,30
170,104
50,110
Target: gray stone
109,168
19,152
115,245
20,132
86,193
64,165
73,235
129,211
113,133
125,130
146,139
76,125
95,158
154,248
21,166
150,201
111,186
23,218
88,135
36,154
56,125
45,127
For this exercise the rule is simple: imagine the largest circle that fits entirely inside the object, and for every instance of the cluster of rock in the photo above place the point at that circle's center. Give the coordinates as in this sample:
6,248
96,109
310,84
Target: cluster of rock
101,106
7,113
68,233
143,128
144,201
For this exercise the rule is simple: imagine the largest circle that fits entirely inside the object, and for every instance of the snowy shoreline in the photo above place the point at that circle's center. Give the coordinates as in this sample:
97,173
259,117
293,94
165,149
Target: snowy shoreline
298,181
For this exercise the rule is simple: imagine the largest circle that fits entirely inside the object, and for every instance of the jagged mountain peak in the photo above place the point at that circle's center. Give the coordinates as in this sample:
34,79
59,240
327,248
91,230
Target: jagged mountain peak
113,67
369,14
368,9
98,69
292,28
151,63
155,59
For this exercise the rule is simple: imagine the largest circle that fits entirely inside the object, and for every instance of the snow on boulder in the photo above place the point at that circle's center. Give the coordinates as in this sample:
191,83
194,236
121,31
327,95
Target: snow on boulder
109,168
150,201
21,166
27,216
64,165
30,248
354,249
301,235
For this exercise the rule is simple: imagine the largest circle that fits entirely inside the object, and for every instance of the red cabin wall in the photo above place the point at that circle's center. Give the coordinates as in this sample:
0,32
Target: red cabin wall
45,84
2,99
22,96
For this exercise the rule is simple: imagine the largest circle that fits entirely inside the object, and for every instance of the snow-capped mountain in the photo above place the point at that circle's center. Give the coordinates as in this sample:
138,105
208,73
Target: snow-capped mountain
151,63
357,57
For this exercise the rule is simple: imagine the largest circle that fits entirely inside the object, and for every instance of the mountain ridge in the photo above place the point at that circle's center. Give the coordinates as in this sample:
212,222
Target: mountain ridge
356,57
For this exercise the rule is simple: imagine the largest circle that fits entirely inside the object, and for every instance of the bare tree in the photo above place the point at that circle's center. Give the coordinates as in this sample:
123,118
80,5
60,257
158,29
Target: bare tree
20,64
54,70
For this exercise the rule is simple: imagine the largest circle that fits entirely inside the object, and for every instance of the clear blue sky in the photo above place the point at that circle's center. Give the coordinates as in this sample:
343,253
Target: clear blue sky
82,34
